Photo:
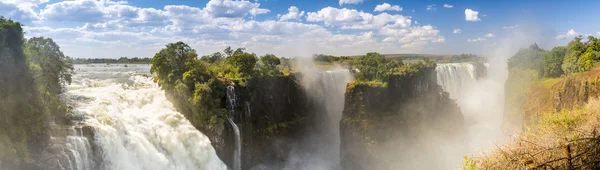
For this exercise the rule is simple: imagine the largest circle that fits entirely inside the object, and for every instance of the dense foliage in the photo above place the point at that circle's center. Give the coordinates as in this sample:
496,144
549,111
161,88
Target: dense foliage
32,72
122,60
202,82
576,57
374,67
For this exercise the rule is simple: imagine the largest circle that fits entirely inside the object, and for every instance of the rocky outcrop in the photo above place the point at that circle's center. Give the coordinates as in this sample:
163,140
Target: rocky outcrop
404,119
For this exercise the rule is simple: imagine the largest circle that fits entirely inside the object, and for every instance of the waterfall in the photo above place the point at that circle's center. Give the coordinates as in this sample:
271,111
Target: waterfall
136,127
237,147
480,100
455,78
79,150
320,149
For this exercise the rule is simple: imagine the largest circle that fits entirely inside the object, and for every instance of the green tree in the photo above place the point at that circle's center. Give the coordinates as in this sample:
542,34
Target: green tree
244,62
571,63
169,63
531,58
213,58
374,66
270,60
228,52
49,65
553,62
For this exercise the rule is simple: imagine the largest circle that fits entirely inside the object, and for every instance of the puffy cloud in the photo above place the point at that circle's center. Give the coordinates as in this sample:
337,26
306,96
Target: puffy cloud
570,34
598,33
350,2
471,15
110,29
293,14
510,26
476,39
490,35
21,10
74,11
431,7
457,31
386,6
233,9
353,19
448,6
412,37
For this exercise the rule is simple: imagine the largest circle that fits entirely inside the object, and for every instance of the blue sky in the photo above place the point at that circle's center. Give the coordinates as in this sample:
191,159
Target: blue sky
140,28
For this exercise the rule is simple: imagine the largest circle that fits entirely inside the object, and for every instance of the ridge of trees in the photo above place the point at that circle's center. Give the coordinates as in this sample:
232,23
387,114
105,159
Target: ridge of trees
32,74
576,57
121,60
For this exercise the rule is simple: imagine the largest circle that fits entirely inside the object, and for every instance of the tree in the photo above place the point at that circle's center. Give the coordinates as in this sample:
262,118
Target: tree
213,58
170,63
270,60
244,62
553,62
49,65
228,51
530,58
571,63
374,66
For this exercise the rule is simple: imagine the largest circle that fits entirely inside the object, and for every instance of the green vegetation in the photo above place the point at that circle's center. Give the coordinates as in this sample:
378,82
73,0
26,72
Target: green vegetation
375,69
438,58
122,60
566,139
199,85
576,57
32,74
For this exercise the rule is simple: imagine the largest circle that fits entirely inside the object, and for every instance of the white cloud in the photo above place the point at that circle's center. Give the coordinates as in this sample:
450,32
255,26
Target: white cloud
412,37
21,10
510,26
598,33
293,14
490,35
431,7
353,19
448,6
457,31
105,28
350,2
471,15
570,34
386,6
233,9
476,39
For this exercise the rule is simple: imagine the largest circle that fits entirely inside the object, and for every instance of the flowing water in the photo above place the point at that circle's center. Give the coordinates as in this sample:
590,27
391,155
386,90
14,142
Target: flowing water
321,148
480,100
136,127
237,162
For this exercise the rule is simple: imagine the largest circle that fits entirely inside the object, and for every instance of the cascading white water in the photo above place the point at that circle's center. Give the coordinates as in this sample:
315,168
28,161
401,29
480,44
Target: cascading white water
136,127
480,101
79,150
237,162
320,149
456,77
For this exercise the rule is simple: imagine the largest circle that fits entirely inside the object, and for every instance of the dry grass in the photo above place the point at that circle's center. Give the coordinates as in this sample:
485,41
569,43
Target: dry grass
562,140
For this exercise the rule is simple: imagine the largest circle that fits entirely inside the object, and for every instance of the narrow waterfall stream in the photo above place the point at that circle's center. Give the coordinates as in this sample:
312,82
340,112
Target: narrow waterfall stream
237,162
135,126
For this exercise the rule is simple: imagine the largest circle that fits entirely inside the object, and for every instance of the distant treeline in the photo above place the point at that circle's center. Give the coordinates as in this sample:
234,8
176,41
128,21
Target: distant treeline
407,57
122,60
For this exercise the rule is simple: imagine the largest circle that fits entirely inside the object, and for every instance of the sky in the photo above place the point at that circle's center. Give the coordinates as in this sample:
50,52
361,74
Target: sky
286,28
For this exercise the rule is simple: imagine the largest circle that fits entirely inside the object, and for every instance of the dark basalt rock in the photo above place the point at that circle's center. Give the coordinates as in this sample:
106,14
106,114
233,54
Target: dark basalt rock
379,123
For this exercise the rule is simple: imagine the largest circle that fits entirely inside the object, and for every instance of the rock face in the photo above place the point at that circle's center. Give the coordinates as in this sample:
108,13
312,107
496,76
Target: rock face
272,113
403,125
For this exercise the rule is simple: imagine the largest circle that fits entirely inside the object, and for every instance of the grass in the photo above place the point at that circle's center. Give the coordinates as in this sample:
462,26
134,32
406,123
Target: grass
562,140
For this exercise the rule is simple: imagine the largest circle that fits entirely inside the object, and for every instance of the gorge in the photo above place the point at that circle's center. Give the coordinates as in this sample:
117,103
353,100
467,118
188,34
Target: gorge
124,117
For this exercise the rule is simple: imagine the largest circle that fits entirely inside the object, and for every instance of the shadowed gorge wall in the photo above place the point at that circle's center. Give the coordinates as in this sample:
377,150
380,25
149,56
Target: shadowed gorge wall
406,124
